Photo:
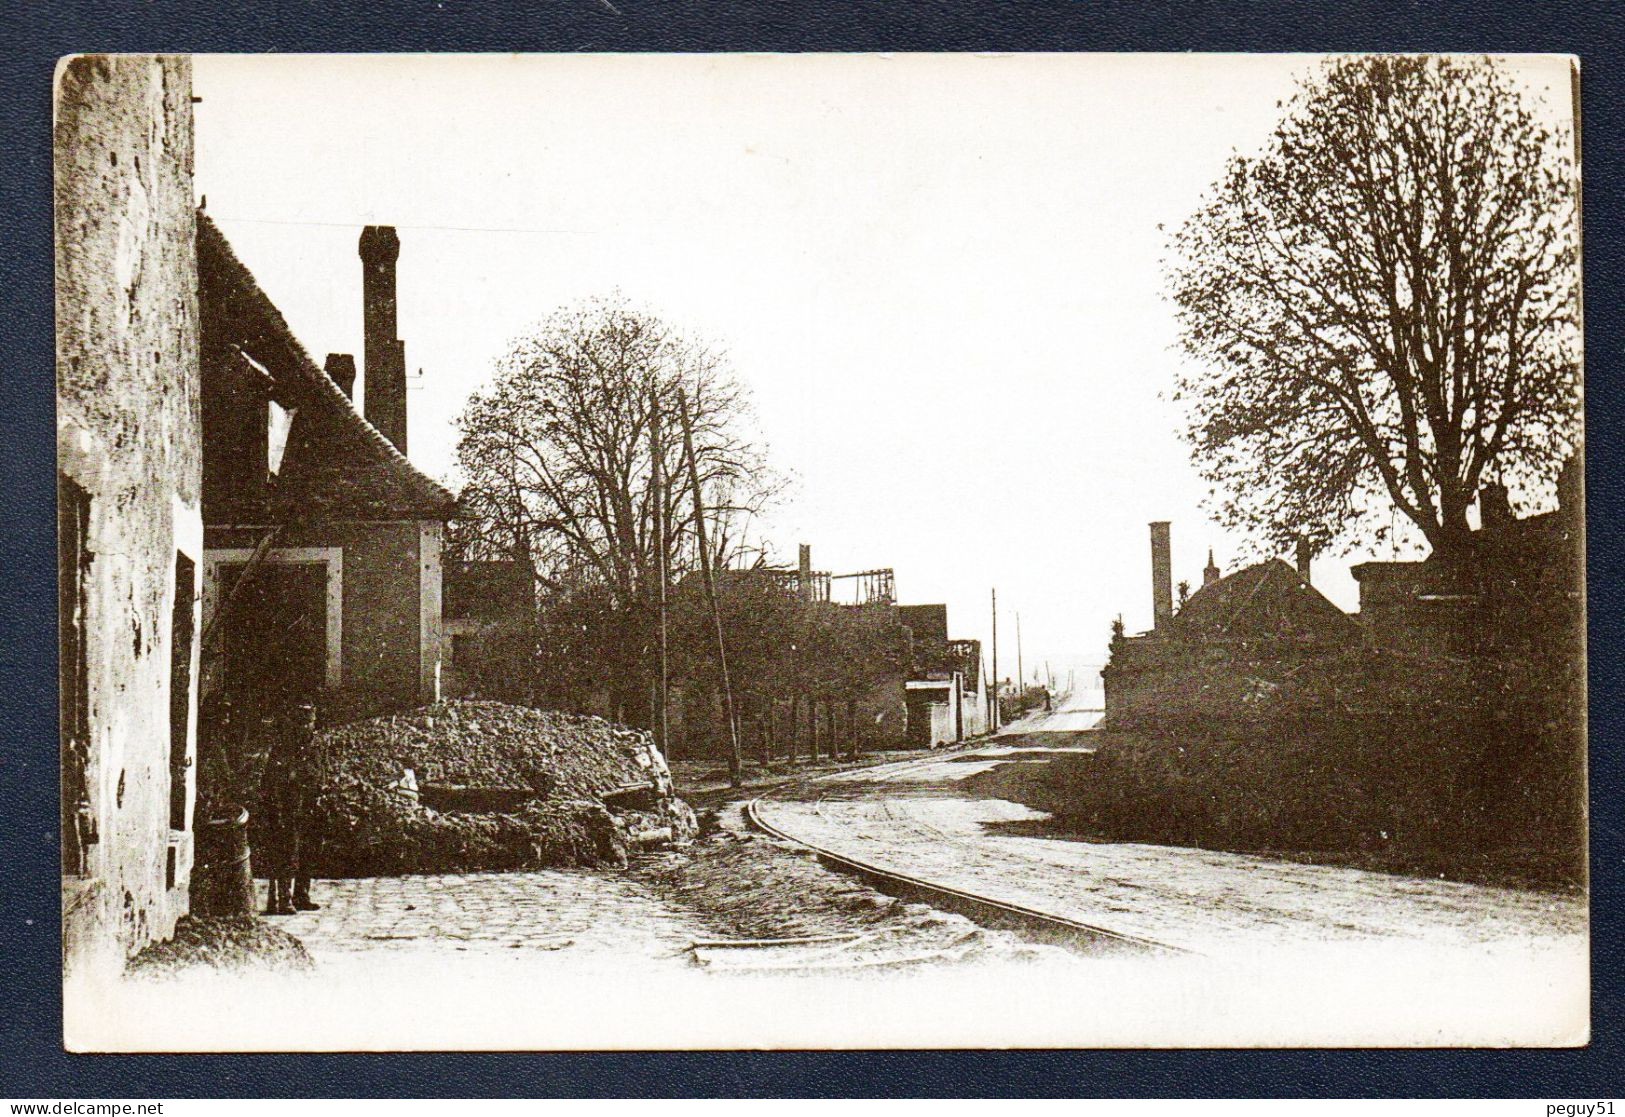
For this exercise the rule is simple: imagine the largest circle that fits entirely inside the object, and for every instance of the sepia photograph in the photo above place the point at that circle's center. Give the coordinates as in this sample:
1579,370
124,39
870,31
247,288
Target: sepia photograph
820,551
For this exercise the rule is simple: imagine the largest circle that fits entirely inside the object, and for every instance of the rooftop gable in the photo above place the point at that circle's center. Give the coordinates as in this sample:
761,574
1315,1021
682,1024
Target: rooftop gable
1266,600
336,464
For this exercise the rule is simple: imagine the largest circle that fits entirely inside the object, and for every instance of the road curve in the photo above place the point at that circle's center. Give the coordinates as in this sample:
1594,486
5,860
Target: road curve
917,819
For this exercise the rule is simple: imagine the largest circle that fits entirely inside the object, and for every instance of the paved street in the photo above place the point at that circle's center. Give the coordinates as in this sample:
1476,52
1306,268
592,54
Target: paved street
583,917
1074,716
917,818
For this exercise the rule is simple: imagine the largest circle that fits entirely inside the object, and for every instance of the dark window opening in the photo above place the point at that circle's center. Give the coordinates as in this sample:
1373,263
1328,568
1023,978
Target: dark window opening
462,652
182,621
72,576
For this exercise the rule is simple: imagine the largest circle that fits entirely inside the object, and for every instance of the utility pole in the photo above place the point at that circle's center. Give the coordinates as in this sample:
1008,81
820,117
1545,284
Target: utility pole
734,761
996,709
1021,674
657,458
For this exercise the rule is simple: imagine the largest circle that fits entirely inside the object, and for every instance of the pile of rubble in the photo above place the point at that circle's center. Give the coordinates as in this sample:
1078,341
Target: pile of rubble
469,785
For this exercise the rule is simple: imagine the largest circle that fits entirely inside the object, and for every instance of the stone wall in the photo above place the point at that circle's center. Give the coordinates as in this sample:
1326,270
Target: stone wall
129,450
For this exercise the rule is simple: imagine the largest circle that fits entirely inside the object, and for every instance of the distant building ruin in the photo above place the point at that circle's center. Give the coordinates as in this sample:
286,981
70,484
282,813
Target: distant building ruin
1519,586
946,691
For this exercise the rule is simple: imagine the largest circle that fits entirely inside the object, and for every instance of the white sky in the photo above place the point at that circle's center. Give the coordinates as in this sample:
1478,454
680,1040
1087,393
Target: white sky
938,274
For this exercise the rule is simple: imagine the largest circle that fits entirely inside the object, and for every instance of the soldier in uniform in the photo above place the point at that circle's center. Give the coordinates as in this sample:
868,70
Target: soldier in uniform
286,801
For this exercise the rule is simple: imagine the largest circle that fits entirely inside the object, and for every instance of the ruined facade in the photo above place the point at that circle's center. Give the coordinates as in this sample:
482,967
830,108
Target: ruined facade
1519,586
945,690
128,486
322,541
488,627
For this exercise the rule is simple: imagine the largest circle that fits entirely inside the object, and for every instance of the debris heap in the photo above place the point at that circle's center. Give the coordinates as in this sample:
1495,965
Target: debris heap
470,785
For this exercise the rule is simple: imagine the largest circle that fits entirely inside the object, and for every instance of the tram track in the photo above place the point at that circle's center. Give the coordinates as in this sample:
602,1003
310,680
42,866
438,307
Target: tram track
986,910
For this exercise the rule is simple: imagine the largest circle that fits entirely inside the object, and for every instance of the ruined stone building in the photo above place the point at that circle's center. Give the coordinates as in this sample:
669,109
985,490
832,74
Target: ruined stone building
1520,585
130,548
322,567
1268,612
938,696
945,692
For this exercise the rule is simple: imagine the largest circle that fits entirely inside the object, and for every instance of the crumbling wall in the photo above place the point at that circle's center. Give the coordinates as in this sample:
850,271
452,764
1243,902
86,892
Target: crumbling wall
128,438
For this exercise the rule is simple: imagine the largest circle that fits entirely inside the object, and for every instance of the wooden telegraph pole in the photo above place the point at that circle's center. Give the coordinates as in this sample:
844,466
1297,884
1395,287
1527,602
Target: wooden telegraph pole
735,764
1021,674
996,710
657,458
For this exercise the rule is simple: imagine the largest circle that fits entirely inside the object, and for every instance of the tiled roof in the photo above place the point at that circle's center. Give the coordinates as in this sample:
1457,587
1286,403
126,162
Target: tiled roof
1264,600
336,464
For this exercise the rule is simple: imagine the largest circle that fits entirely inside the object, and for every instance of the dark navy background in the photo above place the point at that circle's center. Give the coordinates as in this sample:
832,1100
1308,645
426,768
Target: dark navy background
37,32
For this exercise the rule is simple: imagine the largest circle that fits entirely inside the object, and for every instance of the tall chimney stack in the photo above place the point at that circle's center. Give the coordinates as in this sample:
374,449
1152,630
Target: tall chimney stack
340,368
1162,575
1304,556
383,355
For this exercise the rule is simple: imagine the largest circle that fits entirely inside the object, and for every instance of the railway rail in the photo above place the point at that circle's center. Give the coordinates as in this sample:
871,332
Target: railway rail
1043,926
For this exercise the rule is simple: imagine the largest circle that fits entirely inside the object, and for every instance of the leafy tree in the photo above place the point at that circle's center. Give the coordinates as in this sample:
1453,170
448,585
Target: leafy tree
1383,304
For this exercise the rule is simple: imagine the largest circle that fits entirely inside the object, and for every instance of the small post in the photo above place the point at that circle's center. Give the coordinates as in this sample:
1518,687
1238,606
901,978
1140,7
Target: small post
996,710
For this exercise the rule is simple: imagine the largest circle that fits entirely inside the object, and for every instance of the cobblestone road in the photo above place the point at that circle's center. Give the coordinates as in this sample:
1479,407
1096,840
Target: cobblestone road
581,916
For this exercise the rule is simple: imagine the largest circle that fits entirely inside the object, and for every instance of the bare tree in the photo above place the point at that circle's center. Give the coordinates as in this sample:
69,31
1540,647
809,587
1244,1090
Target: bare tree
557,456
1384,305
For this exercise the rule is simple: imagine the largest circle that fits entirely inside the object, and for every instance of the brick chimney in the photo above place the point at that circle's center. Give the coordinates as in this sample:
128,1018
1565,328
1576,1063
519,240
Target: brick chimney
1162,575
1210,572
340,368
1304,555
383,355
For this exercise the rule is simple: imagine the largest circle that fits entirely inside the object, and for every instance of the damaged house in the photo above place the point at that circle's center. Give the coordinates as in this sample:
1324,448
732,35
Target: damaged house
321,565
489,625
945,692
1268,612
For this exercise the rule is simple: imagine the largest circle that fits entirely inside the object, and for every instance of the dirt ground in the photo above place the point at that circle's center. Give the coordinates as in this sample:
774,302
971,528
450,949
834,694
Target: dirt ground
703,782
958,820
749,886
